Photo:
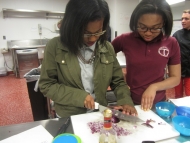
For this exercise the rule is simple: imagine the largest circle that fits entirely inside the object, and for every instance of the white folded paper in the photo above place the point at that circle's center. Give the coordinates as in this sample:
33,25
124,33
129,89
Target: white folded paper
35,135
185,101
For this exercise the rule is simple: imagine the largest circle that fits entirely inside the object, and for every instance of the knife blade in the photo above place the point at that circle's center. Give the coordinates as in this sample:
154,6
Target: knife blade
125,117
119,114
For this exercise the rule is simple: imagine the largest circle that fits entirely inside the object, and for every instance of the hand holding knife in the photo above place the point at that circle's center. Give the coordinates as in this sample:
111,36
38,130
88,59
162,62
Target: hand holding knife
126,109
119,114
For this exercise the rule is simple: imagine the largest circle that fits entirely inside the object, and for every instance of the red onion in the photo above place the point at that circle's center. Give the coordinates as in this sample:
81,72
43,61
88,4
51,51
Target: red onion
97,126
114,119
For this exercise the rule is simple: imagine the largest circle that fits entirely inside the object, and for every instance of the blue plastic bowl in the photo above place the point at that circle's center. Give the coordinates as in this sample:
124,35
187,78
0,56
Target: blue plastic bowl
164,109
66,138
182,124
183,111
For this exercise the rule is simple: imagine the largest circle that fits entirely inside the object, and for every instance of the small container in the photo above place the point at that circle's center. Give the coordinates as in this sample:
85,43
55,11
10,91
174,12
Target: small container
165,109
182,124
107,133
66,138
183,111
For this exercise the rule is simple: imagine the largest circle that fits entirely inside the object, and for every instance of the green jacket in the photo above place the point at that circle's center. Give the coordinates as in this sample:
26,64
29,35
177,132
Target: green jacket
60,78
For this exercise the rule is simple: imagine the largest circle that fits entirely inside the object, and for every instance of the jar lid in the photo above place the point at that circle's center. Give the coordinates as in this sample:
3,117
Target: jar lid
107,113
66,138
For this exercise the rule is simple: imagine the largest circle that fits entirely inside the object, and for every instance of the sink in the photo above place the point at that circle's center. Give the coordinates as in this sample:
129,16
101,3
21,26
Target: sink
22,44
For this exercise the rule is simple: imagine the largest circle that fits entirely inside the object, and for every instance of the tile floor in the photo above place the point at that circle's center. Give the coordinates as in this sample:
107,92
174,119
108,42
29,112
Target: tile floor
14,101
15,105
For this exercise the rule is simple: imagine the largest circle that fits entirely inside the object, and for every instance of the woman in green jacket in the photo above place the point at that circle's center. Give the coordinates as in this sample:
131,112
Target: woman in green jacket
79,65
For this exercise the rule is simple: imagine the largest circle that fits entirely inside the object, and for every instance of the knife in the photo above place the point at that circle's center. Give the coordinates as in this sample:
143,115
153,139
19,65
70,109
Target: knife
119,114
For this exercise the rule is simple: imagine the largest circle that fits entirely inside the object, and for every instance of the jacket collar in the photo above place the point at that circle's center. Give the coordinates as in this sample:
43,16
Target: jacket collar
101,48
186,30
62,46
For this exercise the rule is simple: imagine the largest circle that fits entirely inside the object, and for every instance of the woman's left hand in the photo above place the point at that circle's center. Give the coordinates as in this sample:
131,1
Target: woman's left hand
148,98
127,109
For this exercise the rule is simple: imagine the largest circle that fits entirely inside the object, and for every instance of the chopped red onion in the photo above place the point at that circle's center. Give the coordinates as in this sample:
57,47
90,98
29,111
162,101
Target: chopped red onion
148,123
161,123
97,126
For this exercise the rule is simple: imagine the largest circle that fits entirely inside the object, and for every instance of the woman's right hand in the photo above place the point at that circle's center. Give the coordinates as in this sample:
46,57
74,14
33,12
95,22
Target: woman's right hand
148,98
89,102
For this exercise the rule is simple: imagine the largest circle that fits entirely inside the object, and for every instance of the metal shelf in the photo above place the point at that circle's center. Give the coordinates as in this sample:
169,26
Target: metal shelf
24,13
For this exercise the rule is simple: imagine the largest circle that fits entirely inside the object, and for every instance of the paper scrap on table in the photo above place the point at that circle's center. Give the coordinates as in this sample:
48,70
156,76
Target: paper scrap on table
34,135
181,101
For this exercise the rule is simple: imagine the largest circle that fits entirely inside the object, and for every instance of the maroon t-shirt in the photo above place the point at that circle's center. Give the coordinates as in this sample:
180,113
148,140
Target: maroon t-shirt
146,61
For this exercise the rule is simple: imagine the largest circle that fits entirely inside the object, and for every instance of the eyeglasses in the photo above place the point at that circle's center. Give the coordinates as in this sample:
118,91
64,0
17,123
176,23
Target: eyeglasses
145,29
95,34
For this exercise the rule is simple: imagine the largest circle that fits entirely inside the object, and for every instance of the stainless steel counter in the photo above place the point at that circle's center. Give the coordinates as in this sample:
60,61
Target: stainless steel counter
14,45
27,43
52,126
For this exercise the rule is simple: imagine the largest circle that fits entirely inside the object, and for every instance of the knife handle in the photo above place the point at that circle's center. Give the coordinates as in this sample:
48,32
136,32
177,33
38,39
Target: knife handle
96,105
148,142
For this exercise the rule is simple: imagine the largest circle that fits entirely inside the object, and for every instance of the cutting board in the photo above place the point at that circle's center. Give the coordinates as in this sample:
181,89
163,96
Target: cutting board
138,134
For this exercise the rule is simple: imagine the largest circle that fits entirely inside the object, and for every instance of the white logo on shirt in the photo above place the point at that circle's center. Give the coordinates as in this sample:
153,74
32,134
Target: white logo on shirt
163,51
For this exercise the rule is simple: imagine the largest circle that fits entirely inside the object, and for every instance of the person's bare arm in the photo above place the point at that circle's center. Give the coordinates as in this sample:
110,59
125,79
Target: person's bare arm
150,93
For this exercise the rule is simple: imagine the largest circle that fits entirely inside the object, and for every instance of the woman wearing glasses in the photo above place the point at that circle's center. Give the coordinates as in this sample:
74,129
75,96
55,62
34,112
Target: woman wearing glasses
148,49
79,65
